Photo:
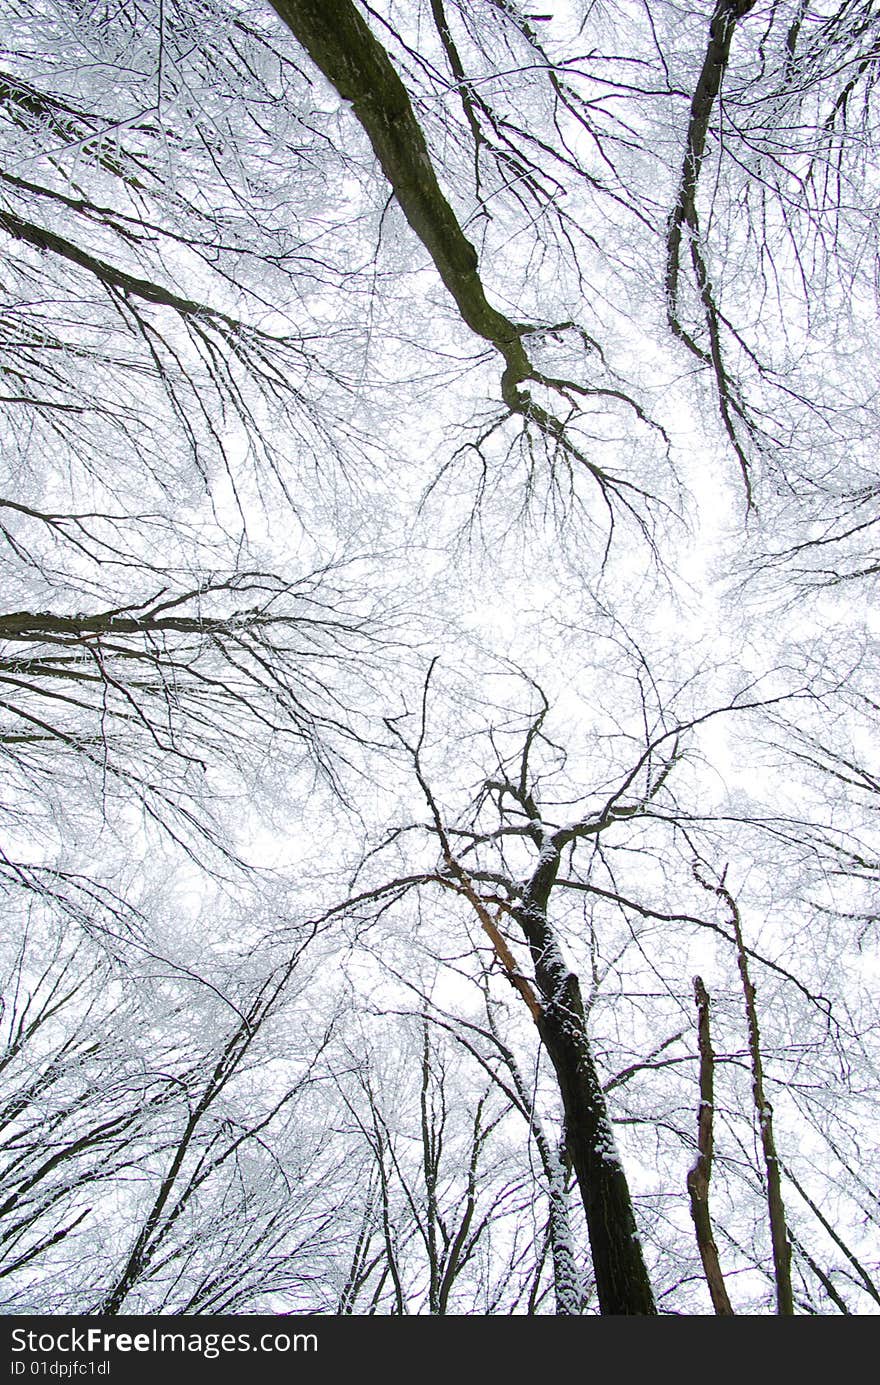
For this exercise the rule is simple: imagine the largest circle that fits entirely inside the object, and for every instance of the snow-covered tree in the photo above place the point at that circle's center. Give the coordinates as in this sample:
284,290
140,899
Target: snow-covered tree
437,527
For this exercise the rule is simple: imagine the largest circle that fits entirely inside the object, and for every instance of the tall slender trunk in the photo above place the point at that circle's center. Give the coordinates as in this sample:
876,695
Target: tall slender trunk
622,1281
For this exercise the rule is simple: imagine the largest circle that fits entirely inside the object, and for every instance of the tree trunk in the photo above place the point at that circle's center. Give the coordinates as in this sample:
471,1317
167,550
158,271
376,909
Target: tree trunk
622,1281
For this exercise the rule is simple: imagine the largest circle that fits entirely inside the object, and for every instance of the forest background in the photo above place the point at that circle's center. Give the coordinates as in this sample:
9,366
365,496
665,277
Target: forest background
438,823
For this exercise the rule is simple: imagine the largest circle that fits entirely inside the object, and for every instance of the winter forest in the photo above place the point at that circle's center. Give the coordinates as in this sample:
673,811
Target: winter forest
439,528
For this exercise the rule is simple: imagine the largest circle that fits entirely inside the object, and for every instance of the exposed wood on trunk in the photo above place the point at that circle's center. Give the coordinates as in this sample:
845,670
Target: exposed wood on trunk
622,1281
700,1174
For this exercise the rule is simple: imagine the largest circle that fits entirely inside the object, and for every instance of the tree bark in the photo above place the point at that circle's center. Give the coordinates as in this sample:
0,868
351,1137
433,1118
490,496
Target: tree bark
700,1174
341,44
622,1281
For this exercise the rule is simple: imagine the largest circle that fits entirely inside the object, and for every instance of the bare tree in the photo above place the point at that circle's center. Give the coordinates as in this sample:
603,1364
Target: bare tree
335,336
145,1162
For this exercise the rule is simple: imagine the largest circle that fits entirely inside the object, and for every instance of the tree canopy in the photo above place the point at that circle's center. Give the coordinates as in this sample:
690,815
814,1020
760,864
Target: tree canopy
438,829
